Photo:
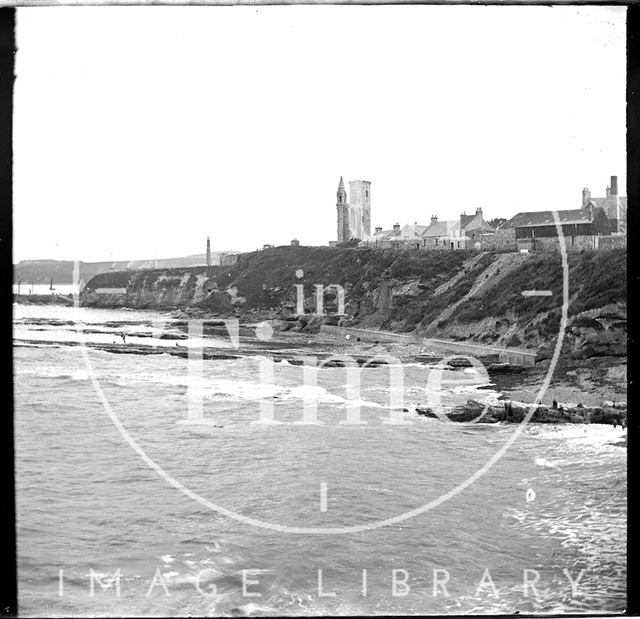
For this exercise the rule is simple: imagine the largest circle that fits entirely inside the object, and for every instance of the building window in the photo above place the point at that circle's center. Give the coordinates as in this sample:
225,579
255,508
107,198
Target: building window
436,241
458,244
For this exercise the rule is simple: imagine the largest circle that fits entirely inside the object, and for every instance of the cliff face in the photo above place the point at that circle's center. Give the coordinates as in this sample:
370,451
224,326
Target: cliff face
61,271
156,289
458,295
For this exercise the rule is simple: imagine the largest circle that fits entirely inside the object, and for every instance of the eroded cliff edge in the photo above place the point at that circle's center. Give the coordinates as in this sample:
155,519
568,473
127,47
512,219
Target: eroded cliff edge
456,295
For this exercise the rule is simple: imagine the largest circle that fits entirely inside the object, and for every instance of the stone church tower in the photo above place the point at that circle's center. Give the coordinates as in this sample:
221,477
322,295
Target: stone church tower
354,219
344,233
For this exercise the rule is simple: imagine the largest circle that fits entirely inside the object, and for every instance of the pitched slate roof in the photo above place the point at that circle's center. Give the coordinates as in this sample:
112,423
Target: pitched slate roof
466,220
484,227
603,201
415,228
383,235
467,223
545,218
439,228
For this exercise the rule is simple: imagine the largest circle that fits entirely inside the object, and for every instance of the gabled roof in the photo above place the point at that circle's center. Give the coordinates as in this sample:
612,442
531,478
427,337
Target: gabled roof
474,222
440,228
604,201
483,227
465,220
415,229
545,218
383,235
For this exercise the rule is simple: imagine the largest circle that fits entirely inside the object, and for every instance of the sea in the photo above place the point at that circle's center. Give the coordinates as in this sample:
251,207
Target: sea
131,500
46,289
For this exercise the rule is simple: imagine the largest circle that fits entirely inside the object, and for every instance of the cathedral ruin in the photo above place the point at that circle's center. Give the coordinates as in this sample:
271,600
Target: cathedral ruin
354,217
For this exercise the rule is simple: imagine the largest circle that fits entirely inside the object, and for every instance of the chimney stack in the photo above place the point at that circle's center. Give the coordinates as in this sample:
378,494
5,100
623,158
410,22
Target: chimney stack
479,211
396,227
586,196
378,229
608,191
208,252
614,185
434,219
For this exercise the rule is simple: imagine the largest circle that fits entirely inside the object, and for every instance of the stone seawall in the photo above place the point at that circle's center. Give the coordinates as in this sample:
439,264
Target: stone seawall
506,355
371,335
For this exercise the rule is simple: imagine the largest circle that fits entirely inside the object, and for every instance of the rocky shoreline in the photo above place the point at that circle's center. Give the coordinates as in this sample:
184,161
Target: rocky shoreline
516,412
592,390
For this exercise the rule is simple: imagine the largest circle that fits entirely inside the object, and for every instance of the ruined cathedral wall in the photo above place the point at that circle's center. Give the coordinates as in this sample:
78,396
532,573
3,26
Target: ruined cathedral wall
360,199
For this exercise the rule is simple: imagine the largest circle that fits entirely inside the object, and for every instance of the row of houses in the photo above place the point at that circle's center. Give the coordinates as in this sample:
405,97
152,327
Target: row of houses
462,233
598,223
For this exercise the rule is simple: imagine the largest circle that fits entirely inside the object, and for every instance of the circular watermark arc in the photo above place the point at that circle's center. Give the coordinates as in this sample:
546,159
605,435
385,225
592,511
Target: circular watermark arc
353,528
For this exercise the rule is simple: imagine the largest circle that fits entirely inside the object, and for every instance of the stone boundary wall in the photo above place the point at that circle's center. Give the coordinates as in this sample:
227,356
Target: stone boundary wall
574,243
552,243
611,242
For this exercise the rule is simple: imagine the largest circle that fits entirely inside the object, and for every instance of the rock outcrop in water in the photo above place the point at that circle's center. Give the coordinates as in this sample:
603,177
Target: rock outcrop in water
456,295
515,412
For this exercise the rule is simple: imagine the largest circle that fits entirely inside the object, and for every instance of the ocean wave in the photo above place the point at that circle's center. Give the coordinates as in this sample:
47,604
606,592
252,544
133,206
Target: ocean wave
589,438
79,374
543,462
233,390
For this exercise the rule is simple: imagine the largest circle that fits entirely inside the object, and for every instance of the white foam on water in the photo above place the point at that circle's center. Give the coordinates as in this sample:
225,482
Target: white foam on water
222,389
50,372
213,547
594,437
545,463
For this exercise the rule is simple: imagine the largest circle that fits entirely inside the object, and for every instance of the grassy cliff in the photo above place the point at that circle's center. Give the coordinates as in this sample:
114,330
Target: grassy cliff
456,294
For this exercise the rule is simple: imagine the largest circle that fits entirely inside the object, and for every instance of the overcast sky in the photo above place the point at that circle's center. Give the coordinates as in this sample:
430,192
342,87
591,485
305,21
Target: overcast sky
138,131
